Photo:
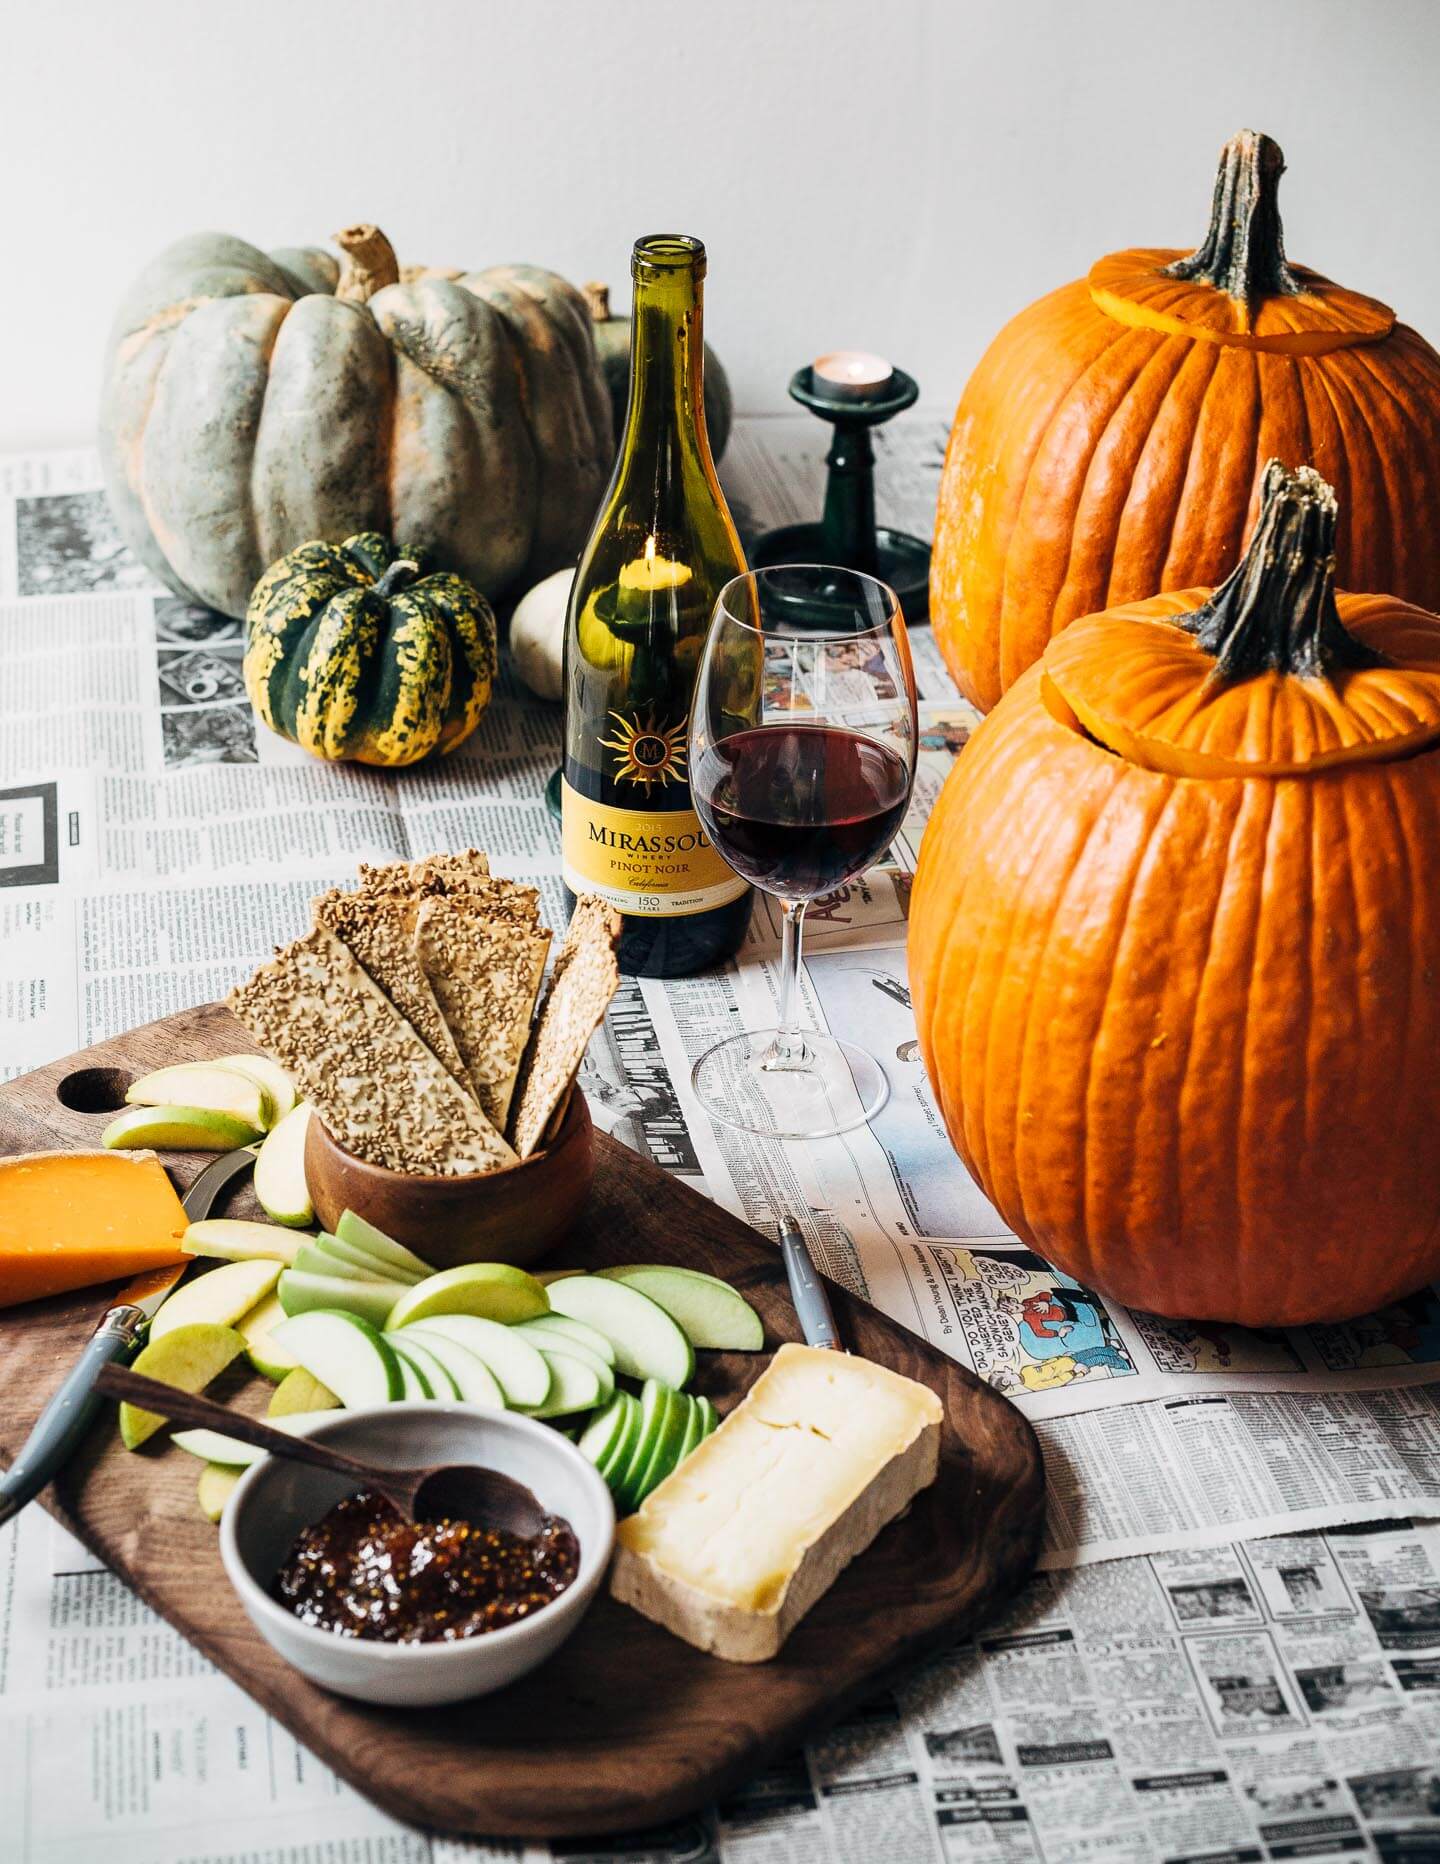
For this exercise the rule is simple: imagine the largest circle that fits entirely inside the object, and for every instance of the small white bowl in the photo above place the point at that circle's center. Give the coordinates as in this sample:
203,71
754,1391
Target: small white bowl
274,1501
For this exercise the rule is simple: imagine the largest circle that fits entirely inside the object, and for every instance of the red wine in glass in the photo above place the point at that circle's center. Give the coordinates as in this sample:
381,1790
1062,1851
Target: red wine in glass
797,810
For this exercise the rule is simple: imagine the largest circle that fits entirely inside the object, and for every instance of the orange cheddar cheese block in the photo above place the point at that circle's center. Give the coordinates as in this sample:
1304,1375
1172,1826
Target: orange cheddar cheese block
68,1219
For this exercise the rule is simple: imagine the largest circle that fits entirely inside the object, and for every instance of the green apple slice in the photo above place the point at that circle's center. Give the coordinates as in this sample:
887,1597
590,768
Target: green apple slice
189,1358
625,1477
298,1392
435,1374
563,1327
709,1311
648,1343
346,1353
204,1084
241,1239
217,1480
709,1416
301,1292
359,1234
219,1296
617,1458
694,1428
376,1268
280,1170
269,1360
666,1451
269,1075
416,1388
228,1452
574,1386
524,1377
490,1290
473,1380
602,1434
316,1258
550,1341
178,1129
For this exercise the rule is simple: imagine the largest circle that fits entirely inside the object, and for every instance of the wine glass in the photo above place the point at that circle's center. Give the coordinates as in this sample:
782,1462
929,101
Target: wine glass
803,737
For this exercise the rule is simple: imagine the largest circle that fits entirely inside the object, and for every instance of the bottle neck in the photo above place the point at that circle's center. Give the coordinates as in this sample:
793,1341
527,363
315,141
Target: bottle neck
666,411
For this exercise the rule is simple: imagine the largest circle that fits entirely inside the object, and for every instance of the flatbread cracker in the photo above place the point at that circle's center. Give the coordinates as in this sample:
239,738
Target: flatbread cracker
377,928
485,973
435,873
585,978
378,1088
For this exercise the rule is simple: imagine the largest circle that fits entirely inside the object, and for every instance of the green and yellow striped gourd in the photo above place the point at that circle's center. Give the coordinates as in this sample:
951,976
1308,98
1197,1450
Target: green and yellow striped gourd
354,653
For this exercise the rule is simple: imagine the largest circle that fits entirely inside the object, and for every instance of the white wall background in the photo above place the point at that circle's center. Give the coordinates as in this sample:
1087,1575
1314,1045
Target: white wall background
898,175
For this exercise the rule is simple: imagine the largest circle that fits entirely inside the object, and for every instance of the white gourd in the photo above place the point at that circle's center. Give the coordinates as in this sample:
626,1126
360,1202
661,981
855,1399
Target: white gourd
537,635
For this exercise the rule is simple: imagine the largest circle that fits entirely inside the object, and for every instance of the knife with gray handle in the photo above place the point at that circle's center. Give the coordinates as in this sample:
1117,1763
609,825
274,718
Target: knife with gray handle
807,1290
64,1421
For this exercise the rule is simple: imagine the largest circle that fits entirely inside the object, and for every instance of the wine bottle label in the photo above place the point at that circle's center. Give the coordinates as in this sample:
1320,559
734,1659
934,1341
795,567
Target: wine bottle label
651,863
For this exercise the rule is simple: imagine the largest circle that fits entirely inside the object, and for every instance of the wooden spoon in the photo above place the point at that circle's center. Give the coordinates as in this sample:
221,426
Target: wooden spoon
448,1491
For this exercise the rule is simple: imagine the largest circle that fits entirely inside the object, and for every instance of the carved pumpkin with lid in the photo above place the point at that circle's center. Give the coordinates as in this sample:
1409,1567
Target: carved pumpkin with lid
1111,439
1175,941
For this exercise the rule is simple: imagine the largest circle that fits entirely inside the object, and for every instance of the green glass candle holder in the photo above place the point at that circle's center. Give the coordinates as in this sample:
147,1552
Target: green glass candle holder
847,533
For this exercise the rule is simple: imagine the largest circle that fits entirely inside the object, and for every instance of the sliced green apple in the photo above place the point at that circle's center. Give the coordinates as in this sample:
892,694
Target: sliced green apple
178,1129
648,1343
616,1460
602,1435
359,1234
561,1326
625,1477
473,1380
241,1239
710,1312
300,1392
270,1360
301,1292
346,1353
524,1376
415,1386
269,1075
665,1452
435,1374
694,1428
710,1417
217,1481
575,1385
219,1296
491,1290
188,1358
280,1170
549,1342
225,1451
314,1259
205,1084
377,1268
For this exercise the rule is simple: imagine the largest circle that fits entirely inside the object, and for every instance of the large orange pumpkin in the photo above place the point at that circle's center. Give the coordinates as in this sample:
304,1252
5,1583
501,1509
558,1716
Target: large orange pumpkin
1110,442
1175,942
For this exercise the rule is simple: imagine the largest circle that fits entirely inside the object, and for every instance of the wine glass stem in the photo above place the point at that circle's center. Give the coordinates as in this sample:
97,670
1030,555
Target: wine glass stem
788,1050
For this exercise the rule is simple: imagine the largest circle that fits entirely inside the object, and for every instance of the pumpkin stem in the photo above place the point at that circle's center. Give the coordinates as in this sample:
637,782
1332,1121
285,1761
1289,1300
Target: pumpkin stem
597,296
401,573
1276,612
1244,251
369,264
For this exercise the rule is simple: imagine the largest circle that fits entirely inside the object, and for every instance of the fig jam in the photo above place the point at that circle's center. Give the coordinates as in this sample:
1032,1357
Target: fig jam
365,1571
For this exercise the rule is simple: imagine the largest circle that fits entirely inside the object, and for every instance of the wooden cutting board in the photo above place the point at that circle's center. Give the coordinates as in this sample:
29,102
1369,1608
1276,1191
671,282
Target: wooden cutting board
625,1726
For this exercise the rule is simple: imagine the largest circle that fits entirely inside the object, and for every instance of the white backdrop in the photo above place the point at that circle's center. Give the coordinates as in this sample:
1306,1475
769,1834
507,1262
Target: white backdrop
898,175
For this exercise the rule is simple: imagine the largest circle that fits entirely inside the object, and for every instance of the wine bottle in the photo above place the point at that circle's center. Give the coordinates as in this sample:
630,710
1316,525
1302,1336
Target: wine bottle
662,547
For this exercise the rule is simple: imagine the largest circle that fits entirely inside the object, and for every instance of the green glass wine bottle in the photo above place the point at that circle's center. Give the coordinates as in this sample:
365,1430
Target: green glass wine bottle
662,547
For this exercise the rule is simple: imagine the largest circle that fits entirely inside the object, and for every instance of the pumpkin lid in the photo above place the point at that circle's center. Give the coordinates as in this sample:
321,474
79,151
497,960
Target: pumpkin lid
1238,288
1271,674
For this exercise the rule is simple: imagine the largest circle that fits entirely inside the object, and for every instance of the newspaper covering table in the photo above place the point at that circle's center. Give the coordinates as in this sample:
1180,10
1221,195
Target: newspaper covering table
1234,1650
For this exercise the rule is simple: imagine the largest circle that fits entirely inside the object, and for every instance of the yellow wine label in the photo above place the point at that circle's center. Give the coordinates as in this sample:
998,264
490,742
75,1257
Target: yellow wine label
652,863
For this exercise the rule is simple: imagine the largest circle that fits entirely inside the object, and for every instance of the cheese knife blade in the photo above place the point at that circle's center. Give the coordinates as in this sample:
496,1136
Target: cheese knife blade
65,1420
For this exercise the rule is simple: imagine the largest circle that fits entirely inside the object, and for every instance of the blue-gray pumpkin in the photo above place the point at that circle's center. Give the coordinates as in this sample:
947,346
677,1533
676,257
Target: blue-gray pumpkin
254,400
354,653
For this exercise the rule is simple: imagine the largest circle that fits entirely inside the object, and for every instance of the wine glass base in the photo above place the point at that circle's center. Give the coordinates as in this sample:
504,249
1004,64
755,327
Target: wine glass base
833,1089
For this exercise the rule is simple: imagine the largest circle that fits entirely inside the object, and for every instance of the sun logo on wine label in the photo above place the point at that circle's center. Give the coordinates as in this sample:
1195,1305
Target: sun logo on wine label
645,752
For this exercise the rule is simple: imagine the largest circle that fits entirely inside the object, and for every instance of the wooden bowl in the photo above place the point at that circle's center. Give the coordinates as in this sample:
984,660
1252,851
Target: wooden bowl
514,1214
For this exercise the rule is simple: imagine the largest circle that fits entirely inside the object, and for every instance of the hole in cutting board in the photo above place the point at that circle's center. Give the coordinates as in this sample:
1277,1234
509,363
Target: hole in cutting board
94,1090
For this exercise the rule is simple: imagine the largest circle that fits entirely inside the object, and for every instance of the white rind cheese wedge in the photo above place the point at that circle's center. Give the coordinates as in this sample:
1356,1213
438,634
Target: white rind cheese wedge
758,1522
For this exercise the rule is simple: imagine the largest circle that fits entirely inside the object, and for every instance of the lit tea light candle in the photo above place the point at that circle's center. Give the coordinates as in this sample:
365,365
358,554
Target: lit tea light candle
652,572
851,375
